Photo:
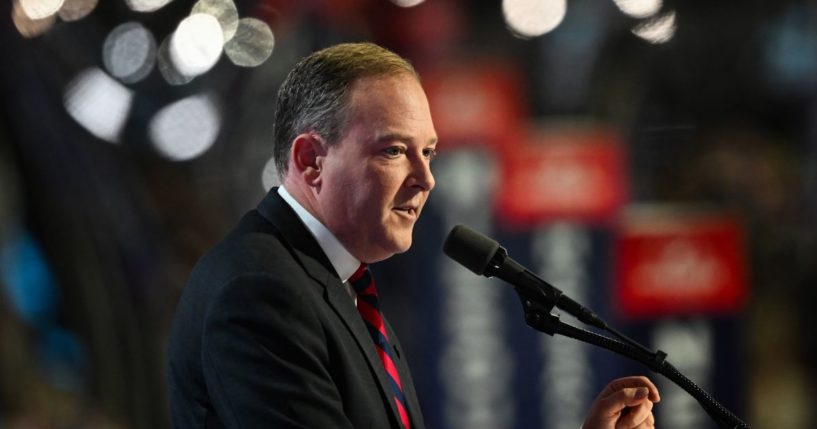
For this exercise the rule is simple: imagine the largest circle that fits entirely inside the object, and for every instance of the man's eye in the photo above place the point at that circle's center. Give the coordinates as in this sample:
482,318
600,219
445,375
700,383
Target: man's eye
430,153
393,151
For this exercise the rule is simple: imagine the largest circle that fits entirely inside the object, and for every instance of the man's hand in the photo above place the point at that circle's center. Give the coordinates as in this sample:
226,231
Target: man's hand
626,403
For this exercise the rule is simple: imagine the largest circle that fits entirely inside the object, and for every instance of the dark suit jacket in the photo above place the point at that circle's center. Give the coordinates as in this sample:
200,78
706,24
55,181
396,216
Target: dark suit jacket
266,336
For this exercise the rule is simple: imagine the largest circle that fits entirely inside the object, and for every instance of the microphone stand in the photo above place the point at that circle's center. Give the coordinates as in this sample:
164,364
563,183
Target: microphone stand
538,315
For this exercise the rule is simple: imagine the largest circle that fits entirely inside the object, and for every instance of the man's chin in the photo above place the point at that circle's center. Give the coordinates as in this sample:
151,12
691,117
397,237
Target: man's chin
403,248
395,246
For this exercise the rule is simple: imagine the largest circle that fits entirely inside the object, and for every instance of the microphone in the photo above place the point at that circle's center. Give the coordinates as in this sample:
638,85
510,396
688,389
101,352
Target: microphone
484,256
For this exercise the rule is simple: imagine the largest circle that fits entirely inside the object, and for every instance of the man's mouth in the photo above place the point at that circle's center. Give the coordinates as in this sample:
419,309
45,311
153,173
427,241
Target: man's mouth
408,211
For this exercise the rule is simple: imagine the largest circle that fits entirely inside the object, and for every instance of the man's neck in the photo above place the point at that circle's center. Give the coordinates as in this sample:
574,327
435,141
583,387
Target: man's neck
344,262
305,196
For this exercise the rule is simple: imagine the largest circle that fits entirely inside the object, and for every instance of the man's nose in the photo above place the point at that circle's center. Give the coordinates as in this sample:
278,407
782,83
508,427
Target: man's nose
421,175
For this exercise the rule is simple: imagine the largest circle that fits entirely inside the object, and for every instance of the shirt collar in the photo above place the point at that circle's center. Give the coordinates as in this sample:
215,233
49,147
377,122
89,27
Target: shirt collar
345,263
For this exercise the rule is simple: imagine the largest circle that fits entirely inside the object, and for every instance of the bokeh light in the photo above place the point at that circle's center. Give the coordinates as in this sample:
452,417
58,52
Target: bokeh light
40,9
99,103
224,11
407,3
531,18
74,10
146,5
28,27
639,8
185,129
657,30
166,66
196,45
269,175
252,44
129,52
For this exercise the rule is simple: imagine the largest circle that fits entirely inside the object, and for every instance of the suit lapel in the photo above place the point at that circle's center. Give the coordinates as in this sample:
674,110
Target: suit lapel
306,249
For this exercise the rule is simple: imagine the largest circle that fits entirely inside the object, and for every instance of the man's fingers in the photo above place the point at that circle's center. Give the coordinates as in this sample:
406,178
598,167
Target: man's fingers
638,395
625,403
636,416
632,382
616,402
649,423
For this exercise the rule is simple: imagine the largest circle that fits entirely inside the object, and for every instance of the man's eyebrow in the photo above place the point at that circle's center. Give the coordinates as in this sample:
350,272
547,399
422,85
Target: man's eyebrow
394,136
402,138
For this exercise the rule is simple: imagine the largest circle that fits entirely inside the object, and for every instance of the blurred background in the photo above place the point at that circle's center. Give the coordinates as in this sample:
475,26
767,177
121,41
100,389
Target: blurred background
656,160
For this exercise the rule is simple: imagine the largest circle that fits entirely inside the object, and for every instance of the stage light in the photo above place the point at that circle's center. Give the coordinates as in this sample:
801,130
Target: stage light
407,3
531,18
40,9
28,27
657,30
185,129
196,45
129,52
99,103
269,175
252,44
639,8
224,11
146,5
74,10
166,67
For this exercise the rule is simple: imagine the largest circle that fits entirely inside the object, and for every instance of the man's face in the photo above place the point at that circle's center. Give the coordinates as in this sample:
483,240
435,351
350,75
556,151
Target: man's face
376,179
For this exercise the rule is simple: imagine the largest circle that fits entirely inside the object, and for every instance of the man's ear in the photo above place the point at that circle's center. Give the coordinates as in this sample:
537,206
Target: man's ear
308,151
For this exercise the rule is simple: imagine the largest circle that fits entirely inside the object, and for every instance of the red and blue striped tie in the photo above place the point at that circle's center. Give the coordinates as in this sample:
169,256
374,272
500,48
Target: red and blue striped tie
368,307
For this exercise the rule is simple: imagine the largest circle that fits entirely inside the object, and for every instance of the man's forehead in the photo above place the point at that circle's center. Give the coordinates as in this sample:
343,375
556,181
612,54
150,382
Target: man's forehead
391,107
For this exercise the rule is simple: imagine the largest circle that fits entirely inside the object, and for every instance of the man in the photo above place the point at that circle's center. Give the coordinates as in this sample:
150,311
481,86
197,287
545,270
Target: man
274,328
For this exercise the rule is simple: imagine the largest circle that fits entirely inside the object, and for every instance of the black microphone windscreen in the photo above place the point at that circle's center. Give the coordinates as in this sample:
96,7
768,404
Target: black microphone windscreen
470,248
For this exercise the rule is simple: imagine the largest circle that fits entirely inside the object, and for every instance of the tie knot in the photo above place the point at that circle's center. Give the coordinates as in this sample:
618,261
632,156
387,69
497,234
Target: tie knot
362,281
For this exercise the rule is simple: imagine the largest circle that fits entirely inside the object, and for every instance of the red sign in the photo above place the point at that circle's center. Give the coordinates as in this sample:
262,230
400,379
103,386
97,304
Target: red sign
676,264
576,175
473,105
